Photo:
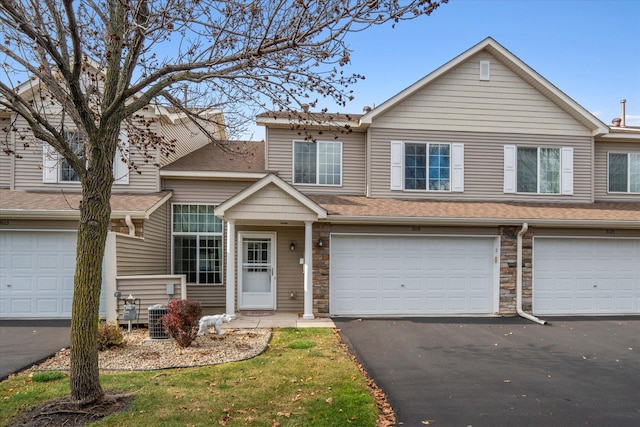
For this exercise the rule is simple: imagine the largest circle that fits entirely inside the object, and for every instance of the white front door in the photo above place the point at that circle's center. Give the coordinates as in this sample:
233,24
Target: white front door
256,271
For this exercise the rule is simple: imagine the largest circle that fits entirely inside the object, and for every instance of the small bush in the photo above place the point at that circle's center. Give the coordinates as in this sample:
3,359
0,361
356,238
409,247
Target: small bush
181,321
109,335
46,376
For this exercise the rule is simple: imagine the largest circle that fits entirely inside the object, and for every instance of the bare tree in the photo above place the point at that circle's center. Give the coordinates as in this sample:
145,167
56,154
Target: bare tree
103,61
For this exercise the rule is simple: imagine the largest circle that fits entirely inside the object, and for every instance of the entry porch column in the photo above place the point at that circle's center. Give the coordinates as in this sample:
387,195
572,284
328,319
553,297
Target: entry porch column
308,271
231,271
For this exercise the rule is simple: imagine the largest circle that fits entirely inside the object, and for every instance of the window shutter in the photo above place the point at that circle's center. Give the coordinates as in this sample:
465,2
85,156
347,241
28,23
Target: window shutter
396,165
566,165
49,163
457,167
510,153
120,168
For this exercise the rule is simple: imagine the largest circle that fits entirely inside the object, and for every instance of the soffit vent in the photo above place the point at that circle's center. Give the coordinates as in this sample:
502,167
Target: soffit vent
485,70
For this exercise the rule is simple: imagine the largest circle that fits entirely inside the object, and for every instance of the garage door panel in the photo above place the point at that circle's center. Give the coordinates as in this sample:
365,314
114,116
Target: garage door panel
413,275
586,276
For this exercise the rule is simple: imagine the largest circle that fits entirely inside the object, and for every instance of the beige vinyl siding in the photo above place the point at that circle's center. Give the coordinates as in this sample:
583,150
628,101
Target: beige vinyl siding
6,161
271,203
149,292
280,160
149,255
601,171
203,191
483,164
188,137
28,171
460,101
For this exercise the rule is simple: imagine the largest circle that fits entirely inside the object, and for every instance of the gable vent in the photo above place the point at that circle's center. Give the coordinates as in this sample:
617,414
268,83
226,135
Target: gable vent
485,70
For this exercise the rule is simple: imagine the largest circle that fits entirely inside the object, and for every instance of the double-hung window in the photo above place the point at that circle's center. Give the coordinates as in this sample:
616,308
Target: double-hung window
538,170
76,142
317,162
197,243
427,166
624,172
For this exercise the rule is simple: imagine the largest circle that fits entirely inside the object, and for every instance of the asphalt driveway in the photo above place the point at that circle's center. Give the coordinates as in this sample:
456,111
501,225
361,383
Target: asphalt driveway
24,343
503,371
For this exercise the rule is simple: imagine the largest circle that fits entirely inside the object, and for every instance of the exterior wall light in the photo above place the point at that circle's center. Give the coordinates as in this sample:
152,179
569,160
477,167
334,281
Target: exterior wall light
320,242
292,246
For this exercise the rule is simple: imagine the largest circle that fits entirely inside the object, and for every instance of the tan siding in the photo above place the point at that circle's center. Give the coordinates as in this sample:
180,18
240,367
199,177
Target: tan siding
208,295
188,137
280,160
150,292
271,203
203,191
6,161
137,256
459,101
601,170
483,164
28,171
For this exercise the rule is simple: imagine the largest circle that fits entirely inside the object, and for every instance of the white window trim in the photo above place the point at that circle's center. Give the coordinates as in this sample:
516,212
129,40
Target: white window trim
293,164
628,154
222,244
51,161
456,167
511,173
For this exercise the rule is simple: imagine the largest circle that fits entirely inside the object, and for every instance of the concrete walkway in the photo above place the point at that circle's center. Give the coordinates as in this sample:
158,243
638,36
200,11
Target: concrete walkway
276,320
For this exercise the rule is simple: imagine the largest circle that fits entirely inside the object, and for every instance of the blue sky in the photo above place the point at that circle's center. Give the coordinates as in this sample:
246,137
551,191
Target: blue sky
589,49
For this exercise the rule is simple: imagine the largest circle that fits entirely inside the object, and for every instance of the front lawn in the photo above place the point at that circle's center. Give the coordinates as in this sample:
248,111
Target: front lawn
305,378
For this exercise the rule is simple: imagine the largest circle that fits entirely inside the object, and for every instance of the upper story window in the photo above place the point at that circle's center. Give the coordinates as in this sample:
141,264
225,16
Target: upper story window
624,172
197,243
317,163
75,141
427,166
538,170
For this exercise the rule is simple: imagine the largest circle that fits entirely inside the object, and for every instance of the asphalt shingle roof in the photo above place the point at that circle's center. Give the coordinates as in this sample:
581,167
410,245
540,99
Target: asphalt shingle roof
235,156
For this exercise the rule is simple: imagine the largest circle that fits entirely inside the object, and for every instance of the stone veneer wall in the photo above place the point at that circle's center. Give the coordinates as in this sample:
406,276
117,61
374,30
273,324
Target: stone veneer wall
321,270
508,270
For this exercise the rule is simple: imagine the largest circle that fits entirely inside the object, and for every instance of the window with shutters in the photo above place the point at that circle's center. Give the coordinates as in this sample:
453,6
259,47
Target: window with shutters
427,166
538,170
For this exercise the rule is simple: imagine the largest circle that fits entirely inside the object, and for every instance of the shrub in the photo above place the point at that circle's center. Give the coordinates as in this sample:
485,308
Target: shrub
109,335
181,321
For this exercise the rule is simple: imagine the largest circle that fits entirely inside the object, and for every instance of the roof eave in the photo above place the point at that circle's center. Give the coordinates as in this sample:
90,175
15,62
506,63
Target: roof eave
552,223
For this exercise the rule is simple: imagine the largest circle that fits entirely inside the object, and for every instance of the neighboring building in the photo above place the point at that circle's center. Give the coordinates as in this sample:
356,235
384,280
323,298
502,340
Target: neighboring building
482,189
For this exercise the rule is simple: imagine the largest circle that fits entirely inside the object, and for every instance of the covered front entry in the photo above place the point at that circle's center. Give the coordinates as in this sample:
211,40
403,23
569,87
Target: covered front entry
257,271
252,281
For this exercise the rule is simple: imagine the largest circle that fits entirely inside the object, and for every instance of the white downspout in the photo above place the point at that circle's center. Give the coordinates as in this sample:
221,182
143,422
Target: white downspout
132,227
521,313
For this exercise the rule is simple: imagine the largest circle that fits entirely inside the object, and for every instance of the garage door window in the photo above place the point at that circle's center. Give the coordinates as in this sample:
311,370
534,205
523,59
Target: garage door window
624,172
197,243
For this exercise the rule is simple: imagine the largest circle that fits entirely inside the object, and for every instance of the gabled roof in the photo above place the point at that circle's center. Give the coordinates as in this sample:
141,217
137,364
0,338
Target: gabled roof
278,182
58,205
237,159
512,62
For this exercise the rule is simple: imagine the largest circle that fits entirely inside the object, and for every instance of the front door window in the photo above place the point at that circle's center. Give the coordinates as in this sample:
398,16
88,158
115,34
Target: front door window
257,279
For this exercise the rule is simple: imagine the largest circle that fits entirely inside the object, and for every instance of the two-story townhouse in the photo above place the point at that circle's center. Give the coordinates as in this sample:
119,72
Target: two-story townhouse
39,200
482,189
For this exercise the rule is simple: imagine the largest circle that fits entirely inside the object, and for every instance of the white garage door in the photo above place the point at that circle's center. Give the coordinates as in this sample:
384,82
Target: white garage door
392,275
586,276
36,274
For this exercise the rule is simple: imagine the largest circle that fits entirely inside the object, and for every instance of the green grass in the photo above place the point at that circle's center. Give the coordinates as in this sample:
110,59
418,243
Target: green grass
304,379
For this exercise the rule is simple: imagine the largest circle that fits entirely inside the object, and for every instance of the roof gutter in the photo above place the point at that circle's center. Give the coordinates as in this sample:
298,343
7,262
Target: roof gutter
571,223
521,312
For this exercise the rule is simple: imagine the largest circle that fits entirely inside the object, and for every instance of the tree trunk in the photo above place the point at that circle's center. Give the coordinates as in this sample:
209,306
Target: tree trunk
95,212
